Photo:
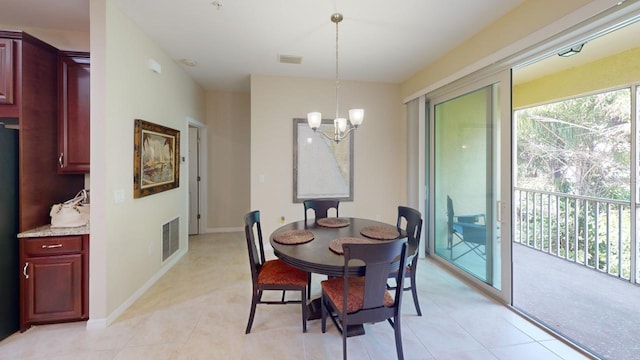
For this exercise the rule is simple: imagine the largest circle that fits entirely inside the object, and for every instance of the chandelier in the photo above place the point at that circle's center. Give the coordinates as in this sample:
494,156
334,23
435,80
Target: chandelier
340,127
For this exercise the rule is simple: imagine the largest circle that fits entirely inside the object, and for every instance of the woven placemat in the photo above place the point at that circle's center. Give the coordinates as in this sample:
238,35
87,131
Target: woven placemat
380,232
333,222
292,237
335,245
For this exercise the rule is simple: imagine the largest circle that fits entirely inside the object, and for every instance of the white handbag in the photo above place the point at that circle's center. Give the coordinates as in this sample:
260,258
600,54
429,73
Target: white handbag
71,213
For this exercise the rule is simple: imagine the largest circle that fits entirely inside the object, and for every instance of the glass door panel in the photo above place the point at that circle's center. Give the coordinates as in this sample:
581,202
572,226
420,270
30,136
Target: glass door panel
465,138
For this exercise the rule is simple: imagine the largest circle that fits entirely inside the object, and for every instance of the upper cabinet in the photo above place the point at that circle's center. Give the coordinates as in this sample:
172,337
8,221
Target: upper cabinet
73,112
35,111
6,71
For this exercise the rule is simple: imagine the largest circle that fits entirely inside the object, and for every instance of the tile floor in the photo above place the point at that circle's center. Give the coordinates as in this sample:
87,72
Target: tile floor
199,310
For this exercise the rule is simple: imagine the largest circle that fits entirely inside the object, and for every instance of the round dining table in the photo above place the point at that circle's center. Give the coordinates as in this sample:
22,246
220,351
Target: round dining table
315,256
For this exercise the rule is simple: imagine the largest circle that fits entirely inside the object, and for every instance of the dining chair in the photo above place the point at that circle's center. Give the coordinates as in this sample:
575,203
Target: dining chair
412,220
320,207
358,300
271,274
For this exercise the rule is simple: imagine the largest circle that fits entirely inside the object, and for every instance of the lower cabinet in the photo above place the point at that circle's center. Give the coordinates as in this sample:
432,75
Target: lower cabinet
54,280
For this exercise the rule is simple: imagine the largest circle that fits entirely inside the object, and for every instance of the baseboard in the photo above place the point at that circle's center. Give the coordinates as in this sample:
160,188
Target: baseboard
223,230
102,323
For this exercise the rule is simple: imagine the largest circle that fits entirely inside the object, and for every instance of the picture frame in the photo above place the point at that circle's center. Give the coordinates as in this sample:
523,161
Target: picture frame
156,153
322,168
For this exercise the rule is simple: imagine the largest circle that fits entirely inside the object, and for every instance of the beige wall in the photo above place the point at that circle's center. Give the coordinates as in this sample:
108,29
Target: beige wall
379,159
126,237
517,24
228,159
611,72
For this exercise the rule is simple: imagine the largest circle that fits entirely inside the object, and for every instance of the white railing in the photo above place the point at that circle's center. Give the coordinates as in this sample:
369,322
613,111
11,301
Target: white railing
592,232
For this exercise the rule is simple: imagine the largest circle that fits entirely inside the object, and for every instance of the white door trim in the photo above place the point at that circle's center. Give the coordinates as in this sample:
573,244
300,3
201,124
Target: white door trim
202,198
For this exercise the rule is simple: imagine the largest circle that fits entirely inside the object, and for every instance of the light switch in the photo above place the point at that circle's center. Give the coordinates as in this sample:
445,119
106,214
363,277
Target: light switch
118,196
261,179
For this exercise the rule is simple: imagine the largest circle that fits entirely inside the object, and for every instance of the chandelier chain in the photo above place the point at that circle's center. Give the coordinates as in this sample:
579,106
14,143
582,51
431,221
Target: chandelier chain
337,78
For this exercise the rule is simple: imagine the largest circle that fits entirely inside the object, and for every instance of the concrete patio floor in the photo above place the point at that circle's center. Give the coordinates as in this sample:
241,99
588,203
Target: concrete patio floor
597,311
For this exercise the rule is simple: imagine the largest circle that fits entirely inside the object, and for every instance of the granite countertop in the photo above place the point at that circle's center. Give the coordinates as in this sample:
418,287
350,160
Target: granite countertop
47,230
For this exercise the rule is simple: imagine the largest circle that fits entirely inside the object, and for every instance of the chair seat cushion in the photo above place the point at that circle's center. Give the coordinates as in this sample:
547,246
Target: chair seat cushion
333,289
276,272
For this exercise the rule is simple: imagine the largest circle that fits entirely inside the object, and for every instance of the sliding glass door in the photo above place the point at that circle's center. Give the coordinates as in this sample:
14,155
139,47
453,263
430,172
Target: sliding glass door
467,176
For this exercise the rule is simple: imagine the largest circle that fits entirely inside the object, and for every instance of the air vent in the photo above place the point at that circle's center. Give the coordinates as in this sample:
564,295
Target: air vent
290,59
170,238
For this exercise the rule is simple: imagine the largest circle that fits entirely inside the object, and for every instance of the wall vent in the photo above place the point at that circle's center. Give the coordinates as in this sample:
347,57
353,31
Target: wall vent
290,59
170,238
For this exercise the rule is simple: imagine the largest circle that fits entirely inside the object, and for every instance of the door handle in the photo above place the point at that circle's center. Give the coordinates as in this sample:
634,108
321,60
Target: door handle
24,270
60,160
52,246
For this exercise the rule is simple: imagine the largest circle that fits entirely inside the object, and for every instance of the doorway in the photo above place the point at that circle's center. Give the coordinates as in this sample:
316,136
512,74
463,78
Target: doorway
574,241
197,178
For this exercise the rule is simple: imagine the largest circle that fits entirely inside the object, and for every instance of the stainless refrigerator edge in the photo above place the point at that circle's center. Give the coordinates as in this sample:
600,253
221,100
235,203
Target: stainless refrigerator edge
9,272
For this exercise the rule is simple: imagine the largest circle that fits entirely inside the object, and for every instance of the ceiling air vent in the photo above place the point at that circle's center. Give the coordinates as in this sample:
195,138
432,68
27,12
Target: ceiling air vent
290,59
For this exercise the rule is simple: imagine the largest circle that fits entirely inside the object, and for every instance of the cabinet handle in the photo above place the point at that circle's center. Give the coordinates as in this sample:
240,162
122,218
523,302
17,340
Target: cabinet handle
60,160
24,270
52,246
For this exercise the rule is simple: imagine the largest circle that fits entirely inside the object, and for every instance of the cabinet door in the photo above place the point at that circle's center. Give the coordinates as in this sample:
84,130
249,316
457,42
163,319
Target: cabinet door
6,71
53,287
73,120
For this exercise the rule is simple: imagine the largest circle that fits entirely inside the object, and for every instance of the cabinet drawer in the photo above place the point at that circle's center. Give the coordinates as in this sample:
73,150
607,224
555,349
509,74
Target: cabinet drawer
52,245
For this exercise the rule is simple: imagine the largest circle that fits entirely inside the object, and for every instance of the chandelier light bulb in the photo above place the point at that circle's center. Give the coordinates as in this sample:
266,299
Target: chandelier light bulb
314,119
356,116
340,124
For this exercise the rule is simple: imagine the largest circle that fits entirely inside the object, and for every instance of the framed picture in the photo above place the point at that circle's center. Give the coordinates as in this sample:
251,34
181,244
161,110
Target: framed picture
322,168
156,164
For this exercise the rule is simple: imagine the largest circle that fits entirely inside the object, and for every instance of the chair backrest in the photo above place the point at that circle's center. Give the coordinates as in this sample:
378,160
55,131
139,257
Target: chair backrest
413,222
251,229
320,207
450,214
379,259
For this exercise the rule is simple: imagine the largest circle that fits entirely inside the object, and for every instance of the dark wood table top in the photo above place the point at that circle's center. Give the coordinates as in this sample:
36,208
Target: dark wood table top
315,256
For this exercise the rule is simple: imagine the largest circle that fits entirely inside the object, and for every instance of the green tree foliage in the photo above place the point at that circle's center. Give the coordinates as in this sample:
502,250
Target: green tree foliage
578,146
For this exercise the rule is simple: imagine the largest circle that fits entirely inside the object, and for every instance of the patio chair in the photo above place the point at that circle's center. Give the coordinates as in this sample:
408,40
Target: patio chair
271,274
466,230
365,299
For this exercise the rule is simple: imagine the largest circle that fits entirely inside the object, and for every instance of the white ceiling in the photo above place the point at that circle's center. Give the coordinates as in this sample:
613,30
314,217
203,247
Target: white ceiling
380,41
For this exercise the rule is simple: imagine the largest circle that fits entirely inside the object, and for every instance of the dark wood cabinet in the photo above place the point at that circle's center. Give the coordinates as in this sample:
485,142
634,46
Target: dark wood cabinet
73,112
54,285
7,74
35,112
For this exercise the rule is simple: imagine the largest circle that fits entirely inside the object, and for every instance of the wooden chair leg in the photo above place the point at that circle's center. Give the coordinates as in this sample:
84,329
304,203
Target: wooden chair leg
323,309
398,335
304,309
344,342
254,302
414,291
